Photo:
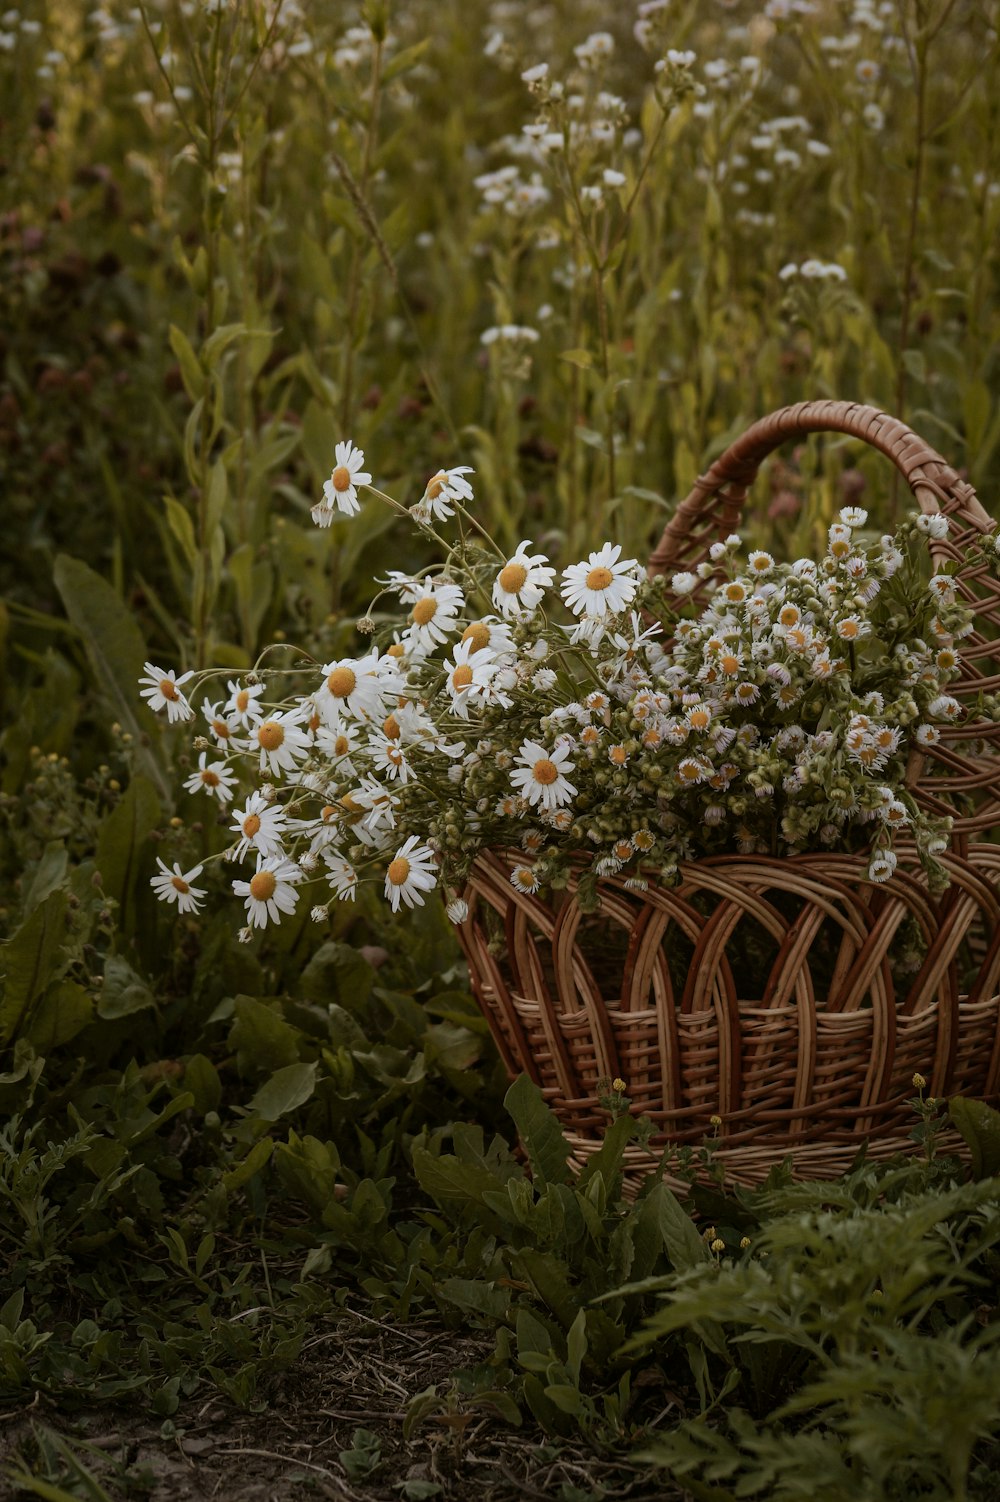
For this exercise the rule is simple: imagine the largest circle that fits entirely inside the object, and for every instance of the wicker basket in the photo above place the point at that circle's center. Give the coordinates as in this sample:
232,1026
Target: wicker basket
763,991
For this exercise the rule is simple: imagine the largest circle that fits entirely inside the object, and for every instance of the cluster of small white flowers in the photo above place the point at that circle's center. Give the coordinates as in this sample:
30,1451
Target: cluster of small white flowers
647,728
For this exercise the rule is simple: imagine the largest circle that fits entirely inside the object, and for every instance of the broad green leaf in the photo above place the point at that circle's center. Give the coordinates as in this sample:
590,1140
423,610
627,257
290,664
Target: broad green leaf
979,1124
116,650
287,1089
121,845
202,1079
337,973
261,1036
448,1181
62,1012
181,525
547,1148
29,960
685,1247
48,874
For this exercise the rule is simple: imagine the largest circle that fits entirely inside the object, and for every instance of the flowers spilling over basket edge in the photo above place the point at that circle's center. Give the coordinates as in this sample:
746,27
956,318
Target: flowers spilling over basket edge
602,725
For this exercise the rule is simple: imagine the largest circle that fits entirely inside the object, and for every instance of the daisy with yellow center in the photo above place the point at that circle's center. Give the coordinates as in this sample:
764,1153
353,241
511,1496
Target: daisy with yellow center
271,891
161,688
605,583
469,679
411,872
852,628
432,617
340,493
281,741
442,491
760,563
221,727
523,879
540,775
519,586
337,739
175,885
213,778
241,708
355,688
260,826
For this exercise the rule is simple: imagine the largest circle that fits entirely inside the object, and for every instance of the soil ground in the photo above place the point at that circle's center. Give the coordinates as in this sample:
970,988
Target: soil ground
362,1376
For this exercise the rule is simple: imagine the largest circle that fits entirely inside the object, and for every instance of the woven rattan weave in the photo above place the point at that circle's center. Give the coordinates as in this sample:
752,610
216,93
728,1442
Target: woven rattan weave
768,992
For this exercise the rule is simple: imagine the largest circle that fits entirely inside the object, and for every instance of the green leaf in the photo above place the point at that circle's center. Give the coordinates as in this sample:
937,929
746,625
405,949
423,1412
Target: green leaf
261,1036
121,845
287,1089
449,1181
63,1011
254,1161
581,358
192,373
29,960
685,1247
181,525
539,1131
406,59
123,992
115,648
979,1124
48,874
202,1079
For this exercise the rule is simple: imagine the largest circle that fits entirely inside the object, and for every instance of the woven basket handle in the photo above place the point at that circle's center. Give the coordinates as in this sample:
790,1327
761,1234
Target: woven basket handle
715,505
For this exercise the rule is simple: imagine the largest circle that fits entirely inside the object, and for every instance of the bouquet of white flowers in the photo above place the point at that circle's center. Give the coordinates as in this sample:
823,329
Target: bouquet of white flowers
601,724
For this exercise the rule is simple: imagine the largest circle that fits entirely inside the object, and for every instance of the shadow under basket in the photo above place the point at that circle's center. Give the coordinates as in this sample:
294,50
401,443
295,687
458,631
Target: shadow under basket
791,998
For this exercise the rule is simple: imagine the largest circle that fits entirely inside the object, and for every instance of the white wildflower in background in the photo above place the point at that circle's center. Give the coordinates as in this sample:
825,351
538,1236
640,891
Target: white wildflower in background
340,493
161,688
175,885
241,706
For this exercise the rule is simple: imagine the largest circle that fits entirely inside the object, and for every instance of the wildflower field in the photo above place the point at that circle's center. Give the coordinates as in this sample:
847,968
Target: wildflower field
353,357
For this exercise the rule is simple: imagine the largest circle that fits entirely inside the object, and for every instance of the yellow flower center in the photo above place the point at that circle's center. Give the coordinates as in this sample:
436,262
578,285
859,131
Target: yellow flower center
210,778
221,729
396,650
728,663
341,746
735,593
599,578
251,824
699,719
328,813
525,876
341,478
545,771
513,578
314,722
350,806
398,871
618,755
789,615
342,682
270,735
168,688
436,485
479,635
263,885
242,699
391,727
423,610
179,884
462,676
848,629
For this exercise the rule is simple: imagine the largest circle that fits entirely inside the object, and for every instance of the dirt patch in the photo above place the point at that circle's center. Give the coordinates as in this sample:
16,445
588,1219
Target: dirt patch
347,1396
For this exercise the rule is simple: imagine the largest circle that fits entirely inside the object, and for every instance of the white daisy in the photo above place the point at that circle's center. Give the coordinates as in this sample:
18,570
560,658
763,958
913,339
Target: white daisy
389,758
602,584
521,583
271,890
523,879
432,616
541,778
489,632
447,486
161,688
214,778
412,871
853,516
221,726
175,886
260,826
343,878
337,740
242,705
470,679
282,741
354,687
457,910
340,491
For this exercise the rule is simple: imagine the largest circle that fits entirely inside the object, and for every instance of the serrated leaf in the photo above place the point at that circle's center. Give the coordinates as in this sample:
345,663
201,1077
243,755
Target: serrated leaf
539,1131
